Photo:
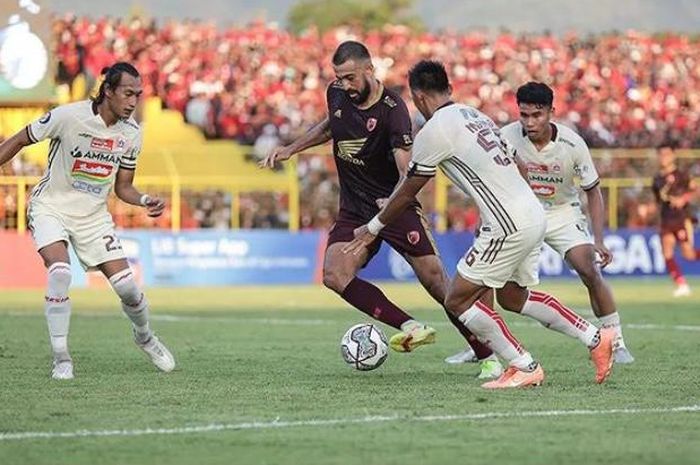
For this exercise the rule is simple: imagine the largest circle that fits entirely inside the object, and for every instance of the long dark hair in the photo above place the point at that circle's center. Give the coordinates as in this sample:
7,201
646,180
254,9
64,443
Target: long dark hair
112,78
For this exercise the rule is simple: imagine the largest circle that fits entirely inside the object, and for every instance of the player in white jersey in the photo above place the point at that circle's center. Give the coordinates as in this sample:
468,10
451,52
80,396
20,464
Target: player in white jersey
94,147
467,146
554,156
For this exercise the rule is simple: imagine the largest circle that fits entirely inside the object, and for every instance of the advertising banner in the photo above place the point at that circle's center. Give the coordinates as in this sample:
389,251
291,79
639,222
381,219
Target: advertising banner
223,258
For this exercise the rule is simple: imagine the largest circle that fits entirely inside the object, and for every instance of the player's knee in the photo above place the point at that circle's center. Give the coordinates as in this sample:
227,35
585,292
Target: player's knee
590,276
59,279
505,301
127,289
335,280
689,255
512,300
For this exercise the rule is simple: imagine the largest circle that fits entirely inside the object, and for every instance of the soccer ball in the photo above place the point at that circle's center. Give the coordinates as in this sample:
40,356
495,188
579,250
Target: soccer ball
364,347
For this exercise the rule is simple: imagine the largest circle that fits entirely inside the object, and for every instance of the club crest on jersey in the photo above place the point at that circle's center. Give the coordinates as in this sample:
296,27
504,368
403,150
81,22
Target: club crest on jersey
371,124
338,113
102,144
413,237
121,143
45,119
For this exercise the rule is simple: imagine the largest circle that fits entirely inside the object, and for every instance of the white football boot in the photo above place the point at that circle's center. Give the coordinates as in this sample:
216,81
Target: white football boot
62,369
465,356
158,354
682,291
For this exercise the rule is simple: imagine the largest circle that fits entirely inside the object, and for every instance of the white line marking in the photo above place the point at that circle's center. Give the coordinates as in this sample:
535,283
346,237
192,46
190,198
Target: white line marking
261,425
321,322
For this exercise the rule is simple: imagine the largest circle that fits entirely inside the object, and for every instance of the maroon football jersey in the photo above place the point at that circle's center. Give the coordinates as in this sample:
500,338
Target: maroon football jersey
674,184
363,143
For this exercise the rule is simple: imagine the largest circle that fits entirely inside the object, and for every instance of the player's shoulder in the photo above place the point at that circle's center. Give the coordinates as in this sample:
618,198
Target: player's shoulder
130,126
77,109
569,137
513,129
334,87
391,99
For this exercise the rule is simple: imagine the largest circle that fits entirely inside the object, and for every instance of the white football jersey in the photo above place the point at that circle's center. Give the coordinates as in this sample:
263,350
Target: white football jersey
84,157
467,146
552,170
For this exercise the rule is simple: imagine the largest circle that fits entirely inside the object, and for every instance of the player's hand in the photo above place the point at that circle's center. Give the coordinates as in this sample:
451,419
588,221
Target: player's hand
677,202
381,202
278,154
155,206
363,239
604,254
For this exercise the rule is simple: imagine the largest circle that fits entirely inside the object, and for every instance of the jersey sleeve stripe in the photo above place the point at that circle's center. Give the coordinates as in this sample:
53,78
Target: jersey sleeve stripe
129,168
30,135
416,169
591,185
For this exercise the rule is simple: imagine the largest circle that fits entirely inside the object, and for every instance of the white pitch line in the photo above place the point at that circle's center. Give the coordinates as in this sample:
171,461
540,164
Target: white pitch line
262,425
321,322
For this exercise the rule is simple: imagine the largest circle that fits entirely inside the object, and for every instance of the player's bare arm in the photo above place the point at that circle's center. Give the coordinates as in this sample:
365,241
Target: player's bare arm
317,135
680,201
400,199
12,146
402,157
597,212
125,191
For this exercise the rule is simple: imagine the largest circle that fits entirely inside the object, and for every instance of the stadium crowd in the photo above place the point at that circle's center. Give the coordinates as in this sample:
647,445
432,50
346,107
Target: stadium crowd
619,90
261,85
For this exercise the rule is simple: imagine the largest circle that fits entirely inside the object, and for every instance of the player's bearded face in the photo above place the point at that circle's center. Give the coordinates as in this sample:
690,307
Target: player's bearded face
355,78
360,96
535,119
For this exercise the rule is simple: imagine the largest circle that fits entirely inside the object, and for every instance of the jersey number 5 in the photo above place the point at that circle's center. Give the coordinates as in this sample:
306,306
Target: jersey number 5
488,139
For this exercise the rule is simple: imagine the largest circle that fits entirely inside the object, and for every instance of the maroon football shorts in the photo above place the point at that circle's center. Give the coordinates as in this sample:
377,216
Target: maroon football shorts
682,230
408,235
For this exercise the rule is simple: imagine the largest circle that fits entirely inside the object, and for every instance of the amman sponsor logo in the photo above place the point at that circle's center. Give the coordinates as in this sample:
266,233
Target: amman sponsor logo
98,156
552,179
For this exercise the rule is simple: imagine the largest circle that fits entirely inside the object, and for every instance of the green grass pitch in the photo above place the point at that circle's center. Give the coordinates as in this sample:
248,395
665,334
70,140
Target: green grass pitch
260,380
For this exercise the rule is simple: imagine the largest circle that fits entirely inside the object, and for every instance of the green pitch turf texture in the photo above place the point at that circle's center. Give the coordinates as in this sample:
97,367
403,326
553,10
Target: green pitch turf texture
260,380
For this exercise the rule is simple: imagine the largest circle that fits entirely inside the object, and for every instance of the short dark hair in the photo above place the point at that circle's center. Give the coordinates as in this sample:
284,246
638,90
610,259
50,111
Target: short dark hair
350,50
535,93
113,76
428,76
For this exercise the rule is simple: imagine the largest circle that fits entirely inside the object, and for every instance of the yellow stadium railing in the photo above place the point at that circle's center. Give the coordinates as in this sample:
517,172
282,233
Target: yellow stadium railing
173,186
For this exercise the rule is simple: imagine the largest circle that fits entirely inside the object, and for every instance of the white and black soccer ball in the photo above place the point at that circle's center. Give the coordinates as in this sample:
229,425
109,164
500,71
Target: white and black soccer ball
364,347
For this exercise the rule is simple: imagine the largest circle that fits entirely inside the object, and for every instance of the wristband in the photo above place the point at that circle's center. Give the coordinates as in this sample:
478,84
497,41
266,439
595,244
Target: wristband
145,198
374,225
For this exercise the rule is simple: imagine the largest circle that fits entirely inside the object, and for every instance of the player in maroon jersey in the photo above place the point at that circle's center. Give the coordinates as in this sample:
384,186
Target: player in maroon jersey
370,127
674,189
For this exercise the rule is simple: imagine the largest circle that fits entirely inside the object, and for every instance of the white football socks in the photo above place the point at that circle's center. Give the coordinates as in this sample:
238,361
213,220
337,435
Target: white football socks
57,309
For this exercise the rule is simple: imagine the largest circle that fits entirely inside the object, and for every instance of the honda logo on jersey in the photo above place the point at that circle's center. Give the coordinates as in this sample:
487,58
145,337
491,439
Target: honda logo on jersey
371,124
102,144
